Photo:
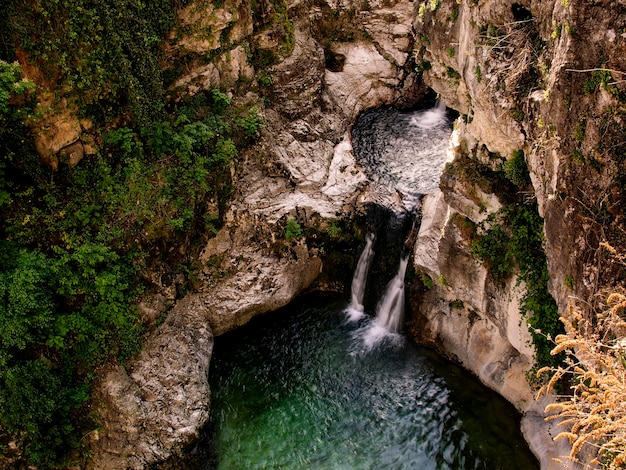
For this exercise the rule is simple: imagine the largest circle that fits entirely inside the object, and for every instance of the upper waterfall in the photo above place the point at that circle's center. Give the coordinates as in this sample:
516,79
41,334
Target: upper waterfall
403,151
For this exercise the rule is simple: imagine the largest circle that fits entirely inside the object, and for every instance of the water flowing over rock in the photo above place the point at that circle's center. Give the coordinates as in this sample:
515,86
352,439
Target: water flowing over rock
359,281
517,75
403,150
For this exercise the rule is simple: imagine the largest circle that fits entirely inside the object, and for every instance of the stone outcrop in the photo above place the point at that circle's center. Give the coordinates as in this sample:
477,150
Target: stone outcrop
303,167
59,135
156,405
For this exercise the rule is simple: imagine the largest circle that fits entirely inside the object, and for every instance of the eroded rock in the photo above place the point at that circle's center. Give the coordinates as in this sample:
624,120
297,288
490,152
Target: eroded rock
156,405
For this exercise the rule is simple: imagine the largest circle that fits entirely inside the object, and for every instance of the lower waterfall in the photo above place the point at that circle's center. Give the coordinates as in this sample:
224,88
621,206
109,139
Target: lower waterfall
389,312
355,310
303,388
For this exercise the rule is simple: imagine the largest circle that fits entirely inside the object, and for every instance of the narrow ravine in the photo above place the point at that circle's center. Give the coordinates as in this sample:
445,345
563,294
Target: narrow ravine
327,383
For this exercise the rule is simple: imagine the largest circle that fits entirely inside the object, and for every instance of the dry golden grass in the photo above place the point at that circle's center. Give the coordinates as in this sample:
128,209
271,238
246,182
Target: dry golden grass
595,412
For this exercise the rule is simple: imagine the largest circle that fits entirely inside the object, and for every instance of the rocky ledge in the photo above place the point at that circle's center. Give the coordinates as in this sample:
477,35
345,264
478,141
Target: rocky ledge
303,167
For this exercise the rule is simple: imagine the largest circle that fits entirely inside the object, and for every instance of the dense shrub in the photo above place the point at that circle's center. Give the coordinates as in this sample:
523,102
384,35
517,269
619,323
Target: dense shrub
73,244
512,242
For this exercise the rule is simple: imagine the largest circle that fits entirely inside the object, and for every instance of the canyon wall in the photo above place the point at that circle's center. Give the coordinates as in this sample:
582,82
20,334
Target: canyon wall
309,92
518,73
538,78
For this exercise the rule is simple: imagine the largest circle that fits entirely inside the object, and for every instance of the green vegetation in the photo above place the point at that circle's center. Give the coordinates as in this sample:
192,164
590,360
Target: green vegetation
599,78
452,74
293,231
479,73
517,114
454,15
333,230
511,241
514,242
77,245
427,281
516,170
457,304
423,66
104,54
580,129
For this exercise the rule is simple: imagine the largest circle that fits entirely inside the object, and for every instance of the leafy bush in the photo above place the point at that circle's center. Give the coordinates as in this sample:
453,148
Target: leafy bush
60,317
514,240
516,170
73,246
106,53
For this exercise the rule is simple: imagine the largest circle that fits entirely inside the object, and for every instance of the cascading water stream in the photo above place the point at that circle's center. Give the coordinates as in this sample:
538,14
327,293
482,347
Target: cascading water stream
390,311
403,153
355,310
386,326
285,393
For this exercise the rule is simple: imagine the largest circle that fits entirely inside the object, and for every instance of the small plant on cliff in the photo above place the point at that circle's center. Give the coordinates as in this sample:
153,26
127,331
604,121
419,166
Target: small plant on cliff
293,231
516,170
333,230
421,12
427,281
479,73
514,240
595,365
454,15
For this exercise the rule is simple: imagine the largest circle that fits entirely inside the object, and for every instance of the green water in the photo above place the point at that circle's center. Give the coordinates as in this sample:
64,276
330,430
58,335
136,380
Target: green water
295,390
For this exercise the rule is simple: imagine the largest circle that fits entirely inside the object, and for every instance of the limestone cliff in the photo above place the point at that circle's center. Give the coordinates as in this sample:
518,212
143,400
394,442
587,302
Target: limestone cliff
538,78
310,89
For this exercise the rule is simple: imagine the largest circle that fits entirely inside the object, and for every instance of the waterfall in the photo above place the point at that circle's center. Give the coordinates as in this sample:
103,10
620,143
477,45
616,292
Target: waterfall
431,118
403,154
389,312
355,310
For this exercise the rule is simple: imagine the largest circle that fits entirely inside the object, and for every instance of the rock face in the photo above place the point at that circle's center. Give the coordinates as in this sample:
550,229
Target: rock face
156,405
59,135
302,168
522,76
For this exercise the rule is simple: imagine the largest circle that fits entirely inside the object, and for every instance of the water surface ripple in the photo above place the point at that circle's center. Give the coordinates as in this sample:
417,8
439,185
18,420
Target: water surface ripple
287,394
403,150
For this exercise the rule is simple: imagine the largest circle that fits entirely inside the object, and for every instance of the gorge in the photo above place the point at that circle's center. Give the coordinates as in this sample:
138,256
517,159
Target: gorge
510,233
